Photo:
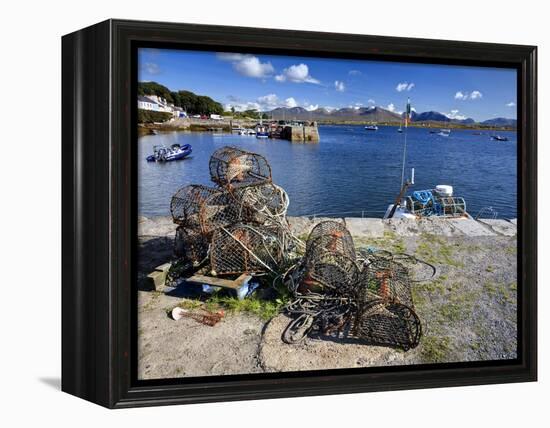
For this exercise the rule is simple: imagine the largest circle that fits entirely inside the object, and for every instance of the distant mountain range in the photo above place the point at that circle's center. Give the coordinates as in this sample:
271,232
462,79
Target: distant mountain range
500,121
375,114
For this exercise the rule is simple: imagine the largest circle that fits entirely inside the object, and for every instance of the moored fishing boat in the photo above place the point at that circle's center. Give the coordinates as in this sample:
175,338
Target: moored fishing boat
371,128
438,202
424,203
262,131
499,138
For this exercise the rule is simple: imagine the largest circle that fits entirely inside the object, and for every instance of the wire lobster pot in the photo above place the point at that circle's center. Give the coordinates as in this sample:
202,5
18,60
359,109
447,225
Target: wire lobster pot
221,209
385,279
186,203
385,323
190,245
244,248
330,236
232,168
331,273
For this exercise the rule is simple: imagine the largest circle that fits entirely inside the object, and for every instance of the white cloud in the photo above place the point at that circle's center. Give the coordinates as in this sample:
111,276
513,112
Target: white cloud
460,96
248,65
474,95
371,101
242,106
291,102
454,115
252,67
339,86
511,104
151,68
270,100
404,86
297,74
354,73
312,107
391,107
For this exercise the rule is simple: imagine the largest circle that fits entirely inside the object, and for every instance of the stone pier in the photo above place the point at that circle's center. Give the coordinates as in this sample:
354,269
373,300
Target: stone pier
304,134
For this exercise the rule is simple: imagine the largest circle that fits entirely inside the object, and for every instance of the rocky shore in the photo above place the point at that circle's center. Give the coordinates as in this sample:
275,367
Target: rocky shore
468,310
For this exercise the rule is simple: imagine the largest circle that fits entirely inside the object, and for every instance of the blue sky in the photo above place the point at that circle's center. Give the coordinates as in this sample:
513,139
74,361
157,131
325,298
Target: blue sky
265,82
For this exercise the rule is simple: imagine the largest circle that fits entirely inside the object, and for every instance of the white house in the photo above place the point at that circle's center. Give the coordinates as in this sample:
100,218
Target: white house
215,117
146,103
163,105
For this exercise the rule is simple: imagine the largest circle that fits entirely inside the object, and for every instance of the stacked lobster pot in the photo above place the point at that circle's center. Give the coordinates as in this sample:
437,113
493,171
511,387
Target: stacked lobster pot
338,293
237,226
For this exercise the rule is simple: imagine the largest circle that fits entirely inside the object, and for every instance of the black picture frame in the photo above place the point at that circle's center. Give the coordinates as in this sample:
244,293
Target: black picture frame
99,213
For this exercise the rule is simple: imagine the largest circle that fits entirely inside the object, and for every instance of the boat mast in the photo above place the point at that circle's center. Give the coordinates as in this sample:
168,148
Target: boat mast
404,185
407,114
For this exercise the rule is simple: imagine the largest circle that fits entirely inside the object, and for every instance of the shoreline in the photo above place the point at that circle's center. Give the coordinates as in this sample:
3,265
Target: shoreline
207,124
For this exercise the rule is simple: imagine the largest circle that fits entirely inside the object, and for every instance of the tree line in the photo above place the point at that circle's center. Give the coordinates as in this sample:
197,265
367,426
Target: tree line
187,100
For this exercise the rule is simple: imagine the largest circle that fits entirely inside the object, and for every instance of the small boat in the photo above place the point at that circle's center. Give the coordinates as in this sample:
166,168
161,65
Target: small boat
499,138
371,128
437,202
261,130
168,154
444,132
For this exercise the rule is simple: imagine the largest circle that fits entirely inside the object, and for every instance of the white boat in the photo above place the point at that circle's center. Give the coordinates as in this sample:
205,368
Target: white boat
444,132
247,132
371,128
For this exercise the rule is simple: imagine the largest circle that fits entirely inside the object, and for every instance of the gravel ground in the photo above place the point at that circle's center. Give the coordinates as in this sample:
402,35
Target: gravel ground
468,311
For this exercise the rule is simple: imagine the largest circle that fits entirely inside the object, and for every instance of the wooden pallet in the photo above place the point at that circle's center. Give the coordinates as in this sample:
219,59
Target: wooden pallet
240,284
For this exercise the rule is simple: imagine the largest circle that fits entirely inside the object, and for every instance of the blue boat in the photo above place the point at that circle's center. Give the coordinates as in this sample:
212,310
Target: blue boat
262,131
168,154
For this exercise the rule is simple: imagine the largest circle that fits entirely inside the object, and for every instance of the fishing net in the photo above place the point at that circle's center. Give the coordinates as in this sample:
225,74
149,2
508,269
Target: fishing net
244,248
186,203
232,168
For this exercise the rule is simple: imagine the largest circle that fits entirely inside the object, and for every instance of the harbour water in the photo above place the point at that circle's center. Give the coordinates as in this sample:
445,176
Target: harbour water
351,172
